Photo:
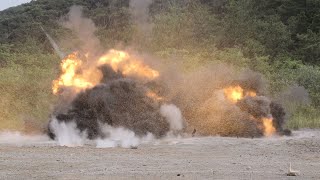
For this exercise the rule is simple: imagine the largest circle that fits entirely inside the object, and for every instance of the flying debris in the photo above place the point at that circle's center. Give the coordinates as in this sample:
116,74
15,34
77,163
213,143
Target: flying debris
53,44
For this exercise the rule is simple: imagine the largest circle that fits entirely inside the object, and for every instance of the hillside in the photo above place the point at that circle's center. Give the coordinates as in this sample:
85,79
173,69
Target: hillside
280,39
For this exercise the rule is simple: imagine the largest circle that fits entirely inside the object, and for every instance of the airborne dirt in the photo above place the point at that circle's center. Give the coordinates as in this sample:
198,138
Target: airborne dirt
191,158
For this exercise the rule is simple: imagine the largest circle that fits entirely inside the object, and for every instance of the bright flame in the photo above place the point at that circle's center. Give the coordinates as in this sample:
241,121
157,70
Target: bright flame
269,130
69,78
233,94
236,93
81,76
120,60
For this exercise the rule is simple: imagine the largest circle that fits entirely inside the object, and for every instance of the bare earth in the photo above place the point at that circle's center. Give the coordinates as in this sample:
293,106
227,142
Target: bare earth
192,158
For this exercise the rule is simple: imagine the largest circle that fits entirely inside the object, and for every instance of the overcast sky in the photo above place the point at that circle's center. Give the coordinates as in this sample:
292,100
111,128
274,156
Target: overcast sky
4,4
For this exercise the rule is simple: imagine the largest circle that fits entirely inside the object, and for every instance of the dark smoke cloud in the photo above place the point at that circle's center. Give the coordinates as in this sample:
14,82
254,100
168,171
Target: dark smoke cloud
252,81
278,113
258,106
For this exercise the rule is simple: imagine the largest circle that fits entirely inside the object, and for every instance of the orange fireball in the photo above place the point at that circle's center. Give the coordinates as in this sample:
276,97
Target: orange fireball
69,77
80,76
233,94
128,65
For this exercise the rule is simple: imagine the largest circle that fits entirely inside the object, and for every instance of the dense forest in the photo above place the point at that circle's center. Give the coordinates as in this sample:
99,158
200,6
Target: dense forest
278,38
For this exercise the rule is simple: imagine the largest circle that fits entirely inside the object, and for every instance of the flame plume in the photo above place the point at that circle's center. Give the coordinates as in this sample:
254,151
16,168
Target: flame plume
128,65
79,76
70,76
269,130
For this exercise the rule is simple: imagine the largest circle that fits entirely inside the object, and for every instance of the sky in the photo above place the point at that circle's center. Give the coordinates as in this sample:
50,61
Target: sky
4,4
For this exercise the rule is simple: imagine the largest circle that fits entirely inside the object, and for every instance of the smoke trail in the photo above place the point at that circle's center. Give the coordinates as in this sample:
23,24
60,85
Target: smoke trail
140,13
54,44
140,16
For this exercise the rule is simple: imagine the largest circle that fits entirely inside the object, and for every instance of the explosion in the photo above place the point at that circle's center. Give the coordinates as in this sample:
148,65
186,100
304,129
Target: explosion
110,94
102,96
236,93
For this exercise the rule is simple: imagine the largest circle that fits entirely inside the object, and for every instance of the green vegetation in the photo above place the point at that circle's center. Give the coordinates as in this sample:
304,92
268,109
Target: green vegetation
280,39
25,82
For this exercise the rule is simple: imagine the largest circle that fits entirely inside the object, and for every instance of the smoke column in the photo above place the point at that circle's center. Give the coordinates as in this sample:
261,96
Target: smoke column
139,9
140,16
84,28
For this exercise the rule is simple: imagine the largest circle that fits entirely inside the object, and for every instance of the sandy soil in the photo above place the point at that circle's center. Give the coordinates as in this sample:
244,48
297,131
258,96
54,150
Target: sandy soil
192,158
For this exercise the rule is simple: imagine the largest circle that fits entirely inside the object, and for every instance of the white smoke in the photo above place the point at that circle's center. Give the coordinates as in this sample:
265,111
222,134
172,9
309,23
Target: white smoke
121,137
19,139
173,115
67,134
118,137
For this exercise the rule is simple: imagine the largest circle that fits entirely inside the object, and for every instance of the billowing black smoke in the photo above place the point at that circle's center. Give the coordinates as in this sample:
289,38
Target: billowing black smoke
260,106
117,102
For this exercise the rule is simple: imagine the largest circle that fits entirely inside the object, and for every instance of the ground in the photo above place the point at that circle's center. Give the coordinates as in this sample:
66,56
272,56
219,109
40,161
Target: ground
190,158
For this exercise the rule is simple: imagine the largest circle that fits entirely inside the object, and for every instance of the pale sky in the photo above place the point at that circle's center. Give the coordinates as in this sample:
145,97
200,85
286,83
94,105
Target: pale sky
4,4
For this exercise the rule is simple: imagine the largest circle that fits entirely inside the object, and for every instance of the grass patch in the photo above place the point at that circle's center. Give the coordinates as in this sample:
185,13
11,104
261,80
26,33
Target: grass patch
307,117
25,84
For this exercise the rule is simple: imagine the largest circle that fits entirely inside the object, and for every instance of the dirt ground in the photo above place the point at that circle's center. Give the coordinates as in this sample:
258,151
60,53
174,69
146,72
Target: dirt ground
190,158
